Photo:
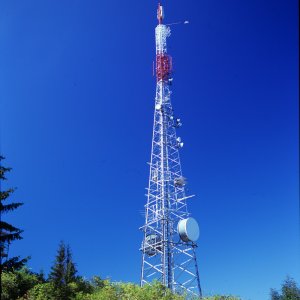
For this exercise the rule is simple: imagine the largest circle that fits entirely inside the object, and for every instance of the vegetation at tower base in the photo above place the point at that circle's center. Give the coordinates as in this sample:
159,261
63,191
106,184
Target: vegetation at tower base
24,285
8,232
63,284
289,291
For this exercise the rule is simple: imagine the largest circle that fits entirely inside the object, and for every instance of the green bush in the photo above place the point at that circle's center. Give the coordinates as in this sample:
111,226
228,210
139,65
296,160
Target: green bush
107,292
42,291
16,284
49,291
129,291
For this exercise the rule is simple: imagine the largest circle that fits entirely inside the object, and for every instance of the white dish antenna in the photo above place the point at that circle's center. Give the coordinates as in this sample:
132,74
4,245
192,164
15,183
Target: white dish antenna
188,230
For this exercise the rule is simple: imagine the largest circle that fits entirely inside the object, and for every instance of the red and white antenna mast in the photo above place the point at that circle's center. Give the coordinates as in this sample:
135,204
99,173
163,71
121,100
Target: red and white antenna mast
170,234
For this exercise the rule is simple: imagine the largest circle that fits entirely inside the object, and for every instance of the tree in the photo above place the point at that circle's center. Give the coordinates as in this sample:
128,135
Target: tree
58,270
289,291
63,272
8,233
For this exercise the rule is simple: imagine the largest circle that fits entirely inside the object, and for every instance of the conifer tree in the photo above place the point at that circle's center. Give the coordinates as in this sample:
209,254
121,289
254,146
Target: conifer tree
64,270
8,232
58,270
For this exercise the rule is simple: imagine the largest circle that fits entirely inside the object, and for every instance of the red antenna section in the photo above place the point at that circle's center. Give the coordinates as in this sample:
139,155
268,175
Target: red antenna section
163,61
163,67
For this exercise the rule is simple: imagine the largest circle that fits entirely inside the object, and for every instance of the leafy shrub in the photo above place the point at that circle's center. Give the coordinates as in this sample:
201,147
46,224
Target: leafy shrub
16,284
42,291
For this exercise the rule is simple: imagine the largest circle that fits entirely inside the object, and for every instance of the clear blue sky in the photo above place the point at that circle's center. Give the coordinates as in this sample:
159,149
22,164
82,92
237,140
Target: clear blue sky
77,98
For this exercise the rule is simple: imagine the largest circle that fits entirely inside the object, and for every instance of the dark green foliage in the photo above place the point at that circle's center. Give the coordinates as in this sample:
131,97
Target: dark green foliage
63,273
83,286
41,276
8,232
14,263
289,291
58,270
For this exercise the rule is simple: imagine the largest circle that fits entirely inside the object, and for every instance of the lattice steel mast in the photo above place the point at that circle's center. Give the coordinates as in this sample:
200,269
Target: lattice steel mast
168,247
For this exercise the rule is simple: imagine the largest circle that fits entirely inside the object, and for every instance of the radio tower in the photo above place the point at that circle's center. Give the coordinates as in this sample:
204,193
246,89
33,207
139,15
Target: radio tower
170,234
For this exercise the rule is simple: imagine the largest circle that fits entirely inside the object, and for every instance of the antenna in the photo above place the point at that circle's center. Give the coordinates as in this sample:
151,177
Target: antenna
179,22
160,13
169,233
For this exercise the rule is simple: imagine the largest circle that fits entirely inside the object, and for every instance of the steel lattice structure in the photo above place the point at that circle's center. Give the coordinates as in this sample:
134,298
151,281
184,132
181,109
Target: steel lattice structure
165,256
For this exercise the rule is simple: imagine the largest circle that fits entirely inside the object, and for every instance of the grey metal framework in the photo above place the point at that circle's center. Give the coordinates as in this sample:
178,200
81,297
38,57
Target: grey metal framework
165,256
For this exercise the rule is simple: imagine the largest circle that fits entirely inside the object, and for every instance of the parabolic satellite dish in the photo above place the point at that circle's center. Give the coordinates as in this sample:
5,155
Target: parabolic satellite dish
188,230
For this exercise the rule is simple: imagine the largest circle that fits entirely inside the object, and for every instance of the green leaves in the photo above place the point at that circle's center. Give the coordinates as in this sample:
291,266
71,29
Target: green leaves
16,284
24,285
42,291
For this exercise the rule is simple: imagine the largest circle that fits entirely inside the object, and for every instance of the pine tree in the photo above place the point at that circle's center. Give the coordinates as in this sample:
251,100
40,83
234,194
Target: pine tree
63,272
58,270
8,233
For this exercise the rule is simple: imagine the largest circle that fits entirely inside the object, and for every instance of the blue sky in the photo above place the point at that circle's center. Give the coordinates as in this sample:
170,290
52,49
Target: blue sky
77,99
